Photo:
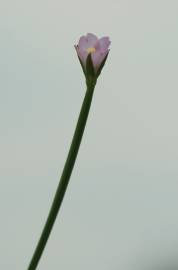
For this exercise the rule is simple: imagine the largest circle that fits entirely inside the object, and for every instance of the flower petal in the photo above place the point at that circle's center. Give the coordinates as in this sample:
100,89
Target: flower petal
104,43
82,55
87,41
83,43
98,58
91,39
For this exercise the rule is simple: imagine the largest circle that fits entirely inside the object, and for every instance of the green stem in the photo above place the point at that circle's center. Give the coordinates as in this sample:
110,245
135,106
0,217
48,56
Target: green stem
65,177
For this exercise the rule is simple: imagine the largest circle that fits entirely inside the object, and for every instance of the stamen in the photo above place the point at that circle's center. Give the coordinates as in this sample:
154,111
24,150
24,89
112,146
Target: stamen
91,50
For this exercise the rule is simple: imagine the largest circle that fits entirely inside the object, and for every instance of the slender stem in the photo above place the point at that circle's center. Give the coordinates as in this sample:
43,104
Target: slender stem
65,177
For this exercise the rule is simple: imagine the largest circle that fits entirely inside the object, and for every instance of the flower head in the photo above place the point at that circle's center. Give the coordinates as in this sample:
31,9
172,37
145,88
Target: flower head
92,53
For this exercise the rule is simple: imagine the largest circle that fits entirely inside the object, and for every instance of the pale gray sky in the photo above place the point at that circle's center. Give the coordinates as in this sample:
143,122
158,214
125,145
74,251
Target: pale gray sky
120,210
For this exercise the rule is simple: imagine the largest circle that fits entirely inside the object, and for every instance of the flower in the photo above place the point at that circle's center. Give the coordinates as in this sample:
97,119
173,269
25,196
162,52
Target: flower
93,50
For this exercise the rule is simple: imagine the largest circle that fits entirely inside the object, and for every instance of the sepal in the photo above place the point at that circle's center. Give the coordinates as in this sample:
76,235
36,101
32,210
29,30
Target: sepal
90,71
83,68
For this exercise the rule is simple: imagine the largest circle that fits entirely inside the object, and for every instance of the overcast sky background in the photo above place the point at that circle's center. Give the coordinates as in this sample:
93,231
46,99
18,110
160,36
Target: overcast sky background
120,210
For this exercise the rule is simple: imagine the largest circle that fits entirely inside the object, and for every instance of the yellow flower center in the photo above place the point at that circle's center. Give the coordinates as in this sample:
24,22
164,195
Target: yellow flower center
91,50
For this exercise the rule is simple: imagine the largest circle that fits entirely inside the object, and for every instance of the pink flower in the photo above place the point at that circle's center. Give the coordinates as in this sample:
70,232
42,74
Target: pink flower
97,48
